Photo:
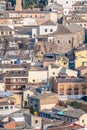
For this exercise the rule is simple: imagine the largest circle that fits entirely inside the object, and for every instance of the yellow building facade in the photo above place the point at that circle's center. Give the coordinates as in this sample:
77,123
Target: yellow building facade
81,58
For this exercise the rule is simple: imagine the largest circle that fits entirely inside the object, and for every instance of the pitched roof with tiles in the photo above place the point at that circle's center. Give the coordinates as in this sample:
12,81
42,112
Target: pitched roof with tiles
48,23
61,29
75,28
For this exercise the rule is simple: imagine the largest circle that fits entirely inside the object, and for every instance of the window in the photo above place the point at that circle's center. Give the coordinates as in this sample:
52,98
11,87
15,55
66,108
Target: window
33,80
58,41
45,30
49,40
51,30
36,121
82,121
69,41
53,73
10,32
2,32
6,107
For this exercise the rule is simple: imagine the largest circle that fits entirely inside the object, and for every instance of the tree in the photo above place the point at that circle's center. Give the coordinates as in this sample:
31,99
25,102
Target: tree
30,3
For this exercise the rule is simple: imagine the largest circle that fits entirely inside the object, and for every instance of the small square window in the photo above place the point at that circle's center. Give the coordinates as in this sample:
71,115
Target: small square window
45,30
36,121
33,80
51,30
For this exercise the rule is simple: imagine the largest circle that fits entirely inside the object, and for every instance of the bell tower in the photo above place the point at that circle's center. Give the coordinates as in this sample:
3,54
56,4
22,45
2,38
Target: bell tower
18,6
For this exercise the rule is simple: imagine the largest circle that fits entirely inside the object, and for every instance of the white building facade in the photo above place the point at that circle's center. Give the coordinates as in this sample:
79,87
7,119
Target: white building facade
37,76
67,4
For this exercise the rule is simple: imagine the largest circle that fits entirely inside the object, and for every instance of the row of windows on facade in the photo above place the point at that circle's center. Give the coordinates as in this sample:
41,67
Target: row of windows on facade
83,24
51,30
69,93
21,87
2,33
59,41
67,2
29,16
6,107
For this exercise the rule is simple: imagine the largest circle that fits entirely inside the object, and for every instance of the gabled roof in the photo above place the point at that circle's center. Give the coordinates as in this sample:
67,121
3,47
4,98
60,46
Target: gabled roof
48,23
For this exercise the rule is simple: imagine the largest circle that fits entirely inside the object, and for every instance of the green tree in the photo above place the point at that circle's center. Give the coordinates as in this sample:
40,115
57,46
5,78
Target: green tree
30,3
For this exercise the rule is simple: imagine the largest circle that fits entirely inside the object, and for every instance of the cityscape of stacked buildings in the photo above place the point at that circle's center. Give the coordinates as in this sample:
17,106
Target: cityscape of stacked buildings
43,66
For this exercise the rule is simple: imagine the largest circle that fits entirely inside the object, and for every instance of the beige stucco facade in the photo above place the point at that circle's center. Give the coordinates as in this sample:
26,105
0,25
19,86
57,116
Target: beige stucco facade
37,76
80,58
83,120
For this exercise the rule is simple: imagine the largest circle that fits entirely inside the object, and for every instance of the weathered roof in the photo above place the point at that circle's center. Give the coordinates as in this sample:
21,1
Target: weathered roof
75,28
76,113
5,28
65,80
81,48
81,68
43,96
61,29
49,23
66,126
